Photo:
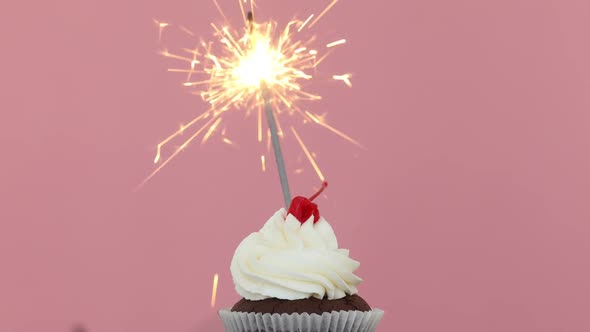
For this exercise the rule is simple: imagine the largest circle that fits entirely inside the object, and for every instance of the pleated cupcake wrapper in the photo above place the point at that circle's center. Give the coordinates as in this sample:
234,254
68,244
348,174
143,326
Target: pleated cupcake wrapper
335,321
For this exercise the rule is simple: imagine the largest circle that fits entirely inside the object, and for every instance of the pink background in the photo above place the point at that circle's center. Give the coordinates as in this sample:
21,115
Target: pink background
469,209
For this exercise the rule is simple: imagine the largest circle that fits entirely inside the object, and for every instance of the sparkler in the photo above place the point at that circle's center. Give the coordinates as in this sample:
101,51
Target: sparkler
258,69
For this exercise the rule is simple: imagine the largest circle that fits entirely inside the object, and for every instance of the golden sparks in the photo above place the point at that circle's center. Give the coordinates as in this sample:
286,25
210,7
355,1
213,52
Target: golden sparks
344,78
263,163
214,290
228,141
309,155
336,43
161,27
239,68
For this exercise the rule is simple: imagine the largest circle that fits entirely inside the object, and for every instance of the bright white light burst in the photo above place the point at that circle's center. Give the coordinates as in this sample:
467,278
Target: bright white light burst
239,69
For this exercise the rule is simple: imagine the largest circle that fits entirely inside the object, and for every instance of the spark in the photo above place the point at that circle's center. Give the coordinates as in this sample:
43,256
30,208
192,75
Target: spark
211,129
344,78
161,27
228,141
259,124
242,11
177,133
173,70
310,156
305,23
214,290
321,122
322,13
263,163
336,43
220,10
173,155
239,67
186,30
173,56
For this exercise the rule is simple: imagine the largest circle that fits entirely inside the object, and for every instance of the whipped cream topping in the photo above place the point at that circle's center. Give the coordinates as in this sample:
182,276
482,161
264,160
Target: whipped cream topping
290,260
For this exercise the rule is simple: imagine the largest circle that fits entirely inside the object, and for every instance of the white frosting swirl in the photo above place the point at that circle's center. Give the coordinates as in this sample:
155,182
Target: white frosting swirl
289,260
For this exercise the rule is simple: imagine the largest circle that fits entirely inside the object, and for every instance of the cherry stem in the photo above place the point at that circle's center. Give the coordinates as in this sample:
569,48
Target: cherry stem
324,185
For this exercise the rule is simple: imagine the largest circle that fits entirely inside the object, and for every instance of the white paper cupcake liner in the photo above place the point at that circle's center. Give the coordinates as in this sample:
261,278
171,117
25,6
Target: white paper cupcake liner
335,321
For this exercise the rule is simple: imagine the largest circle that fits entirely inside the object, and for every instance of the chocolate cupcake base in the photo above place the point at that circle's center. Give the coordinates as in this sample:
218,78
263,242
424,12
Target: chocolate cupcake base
335,321
310,306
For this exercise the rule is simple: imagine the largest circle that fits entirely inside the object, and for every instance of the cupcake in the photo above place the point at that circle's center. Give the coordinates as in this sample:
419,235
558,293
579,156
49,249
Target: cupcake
292,277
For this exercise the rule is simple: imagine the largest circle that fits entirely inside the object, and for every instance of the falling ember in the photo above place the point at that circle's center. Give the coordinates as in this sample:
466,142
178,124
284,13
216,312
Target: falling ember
336,43
241,67
161,27
211,130
321,122
309,155
259,125
263,163
228,141
185,30
344,78
305,23
323,13
214,290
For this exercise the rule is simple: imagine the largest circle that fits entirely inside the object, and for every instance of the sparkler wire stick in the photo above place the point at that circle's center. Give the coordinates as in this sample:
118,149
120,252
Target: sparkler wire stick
272,126
276,145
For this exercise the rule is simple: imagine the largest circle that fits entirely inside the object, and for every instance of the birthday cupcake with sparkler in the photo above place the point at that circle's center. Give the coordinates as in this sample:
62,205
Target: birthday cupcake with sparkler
293,277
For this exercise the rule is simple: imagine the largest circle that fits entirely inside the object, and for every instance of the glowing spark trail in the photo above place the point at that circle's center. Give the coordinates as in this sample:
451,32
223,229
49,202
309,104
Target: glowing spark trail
228,141
161,27
260,69
336,43
214,290
309,155
263,163
344,78
323,13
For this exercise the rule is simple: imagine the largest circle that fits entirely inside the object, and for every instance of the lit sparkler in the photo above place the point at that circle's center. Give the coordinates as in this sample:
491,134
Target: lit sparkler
258,69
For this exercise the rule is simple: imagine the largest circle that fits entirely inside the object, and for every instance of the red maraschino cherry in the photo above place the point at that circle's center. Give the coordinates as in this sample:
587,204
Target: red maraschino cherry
302,208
